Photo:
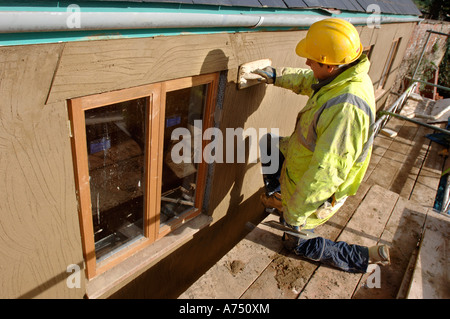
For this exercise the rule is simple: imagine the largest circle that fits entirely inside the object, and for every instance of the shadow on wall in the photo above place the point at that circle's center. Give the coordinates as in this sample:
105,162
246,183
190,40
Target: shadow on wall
233,109
61,277
173,275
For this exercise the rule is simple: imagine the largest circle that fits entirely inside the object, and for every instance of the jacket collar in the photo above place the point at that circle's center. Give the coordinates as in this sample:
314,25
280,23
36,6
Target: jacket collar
346,73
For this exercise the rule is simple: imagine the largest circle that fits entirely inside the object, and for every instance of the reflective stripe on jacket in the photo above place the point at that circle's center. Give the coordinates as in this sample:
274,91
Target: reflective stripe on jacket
329,151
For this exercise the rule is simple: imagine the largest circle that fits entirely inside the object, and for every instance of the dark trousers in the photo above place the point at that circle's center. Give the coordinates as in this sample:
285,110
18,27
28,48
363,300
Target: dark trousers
349,258
271,163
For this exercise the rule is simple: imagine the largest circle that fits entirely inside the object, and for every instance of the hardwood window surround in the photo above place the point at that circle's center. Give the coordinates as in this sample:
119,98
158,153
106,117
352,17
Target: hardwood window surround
150,100
388,65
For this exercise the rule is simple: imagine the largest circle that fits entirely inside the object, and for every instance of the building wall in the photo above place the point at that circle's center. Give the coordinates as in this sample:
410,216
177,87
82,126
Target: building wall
40,234
434,52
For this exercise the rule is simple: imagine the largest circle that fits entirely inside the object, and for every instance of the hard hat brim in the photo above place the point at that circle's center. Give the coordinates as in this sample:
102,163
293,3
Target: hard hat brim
301,51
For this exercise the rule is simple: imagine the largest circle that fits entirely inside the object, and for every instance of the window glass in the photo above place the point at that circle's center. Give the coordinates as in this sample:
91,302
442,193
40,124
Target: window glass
179,179
116,139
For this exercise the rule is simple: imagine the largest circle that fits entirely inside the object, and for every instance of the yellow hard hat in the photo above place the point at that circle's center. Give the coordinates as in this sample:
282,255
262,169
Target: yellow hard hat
331,41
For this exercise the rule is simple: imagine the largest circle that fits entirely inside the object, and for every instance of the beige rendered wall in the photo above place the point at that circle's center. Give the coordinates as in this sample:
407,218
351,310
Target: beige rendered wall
382,39
40,235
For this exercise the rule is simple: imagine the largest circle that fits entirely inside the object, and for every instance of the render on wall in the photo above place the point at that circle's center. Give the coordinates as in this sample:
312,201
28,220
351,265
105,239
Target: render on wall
41,236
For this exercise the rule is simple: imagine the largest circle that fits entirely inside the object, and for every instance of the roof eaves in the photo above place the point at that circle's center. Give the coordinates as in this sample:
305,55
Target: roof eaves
273,3
295,4
345,5
398,7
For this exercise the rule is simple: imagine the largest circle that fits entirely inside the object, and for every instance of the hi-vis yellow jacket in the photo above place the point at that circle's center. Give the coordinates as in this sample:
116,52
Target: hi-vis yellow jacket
329,151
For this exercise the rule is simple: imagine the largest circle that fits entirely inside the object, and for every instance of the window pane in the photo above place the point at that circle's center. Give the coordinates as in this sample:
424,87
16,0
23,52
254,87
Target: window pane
116,139
183,107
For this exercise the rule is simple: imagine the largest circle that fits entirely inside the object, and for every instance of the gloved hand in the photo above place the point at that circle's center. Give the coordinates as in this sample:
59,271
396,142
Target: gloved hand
268,73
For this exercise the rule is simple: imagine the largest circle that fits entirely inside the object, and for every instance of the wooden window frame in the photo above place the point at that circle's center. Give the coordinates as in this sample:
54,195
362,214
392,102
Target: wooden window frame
208,121
155,94
388,65
369,50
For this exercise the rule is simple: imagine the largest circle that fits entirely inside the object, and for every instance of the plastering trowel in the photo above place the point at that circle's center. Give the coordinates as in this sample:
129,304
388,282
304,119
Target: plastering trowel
303,234
245,76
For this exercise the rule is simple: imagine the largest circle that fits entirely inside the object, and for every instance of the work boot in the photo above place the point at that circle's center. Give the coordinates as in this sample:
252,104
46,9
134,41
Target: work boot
273,201
379,255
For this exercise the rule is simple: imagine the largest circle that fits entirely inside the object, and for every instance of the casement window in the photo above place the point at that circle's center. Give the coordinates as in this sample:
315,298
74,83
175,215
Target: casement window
130,191
388,65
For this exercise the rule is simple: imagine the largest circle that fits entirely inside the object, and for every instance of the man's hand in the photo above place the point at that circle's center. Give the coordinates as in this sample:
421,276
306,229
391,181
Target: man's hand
268,74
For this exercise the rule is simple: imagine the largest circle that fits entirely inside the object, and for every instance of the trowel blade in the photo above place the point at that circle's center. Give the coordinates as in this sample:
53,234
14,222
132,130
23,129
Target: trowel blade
304,234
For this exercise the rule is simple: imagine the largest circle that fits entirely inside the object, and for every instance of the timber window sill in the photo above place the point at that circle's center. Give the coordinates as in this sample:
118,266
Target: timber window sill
107,283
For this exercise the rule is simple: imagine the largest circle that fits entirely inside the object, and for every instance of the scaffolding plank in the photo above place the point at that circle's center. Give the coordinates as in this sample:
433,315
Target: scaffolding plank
431,277
427,183
396,161
231,276
406,164
364,228
402,235
288,274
